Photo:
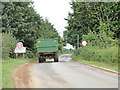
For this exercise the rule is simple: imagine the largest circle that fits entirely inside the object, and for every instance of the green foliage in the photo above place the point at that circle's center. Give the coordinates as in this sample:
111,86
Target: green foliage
8,45
100,48
22,21
100,40
107,55
29,54
92,16
98,24
61,43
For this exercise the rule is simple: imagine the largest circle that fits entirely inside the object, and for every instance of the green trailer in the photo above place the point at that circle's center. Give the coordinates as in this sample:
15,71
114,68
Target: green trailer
47,48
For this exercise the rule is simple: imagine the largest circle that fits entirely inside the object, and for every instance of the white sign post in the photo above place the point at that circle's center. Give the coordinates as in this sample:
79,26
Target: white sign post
20,49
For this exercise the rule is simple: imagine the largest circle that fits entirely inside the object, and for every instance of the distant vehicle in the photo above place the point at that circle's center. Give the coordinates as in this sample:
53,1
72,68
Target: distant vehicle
47,48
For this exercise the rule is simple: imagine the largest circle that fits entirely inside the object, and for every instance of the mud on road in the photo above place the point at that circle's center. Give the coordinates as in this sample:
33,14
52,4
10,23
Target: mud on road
22,77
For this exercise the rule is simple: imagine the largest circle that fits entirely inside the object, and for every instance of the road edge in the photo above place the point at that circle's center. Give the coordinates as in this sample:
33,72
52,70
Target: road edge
101,68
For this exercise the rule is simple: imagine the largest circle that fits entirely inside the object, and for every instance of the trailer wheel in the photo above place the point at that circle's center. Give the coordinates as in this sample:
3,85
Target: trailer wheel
56,58
44,60
40,59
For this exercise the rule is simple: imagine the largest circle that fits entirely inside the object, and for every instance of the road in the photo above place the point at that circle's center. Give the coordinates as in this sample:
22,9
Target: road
69,74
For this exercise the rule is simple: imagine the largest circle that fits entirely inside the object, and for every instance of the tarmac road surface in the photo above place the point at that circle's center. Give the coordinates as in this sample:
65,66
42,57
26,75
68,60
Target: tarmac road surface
69,74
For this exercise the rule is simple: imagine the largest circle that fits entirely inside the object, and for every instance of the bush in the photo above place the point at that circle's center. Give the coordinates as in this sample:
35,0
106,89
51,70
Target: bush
100,40
107,55
8,45
100,48
29,54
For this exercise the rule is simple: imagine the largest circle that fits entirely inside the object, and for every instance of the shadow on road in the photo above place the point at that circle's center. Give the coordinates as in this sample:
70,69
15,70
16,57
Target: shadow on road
49,62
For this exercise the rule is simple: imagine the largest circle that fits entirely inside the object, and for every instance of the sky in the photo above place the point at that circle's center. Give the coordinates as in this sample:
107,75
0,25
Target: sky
55,11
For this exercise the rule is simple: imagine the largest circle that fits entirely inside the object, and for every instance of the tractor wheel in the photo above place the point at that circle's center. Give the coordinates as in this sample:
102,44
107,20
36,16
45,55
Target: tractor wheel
44,60
40,59
56,58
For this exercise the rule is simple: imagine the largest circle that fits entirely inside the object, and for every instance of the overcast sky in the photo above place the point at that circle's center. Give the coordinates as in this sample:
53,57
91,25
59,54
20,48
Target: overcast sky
55,11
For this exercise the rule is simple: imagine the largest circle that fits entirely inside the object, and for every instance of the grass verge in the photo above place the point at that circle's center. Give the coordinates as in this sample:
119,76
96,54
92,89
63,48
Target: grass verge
100,64
8,66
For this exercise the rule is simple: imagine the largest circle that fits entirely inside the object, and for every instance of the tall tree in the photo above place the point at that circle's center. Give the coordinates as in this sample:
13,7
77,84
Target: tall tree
21,20
92,16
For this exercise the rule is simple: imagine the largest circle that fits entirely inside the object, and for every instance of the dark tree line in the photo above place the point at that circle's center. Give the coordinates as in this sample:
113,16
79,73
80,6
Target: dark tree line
92,16
22,21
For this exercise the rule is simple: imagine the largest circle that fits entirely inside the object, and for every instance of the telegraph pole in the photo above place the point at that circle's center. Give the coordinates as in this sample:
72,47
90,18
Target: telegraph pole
77,41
